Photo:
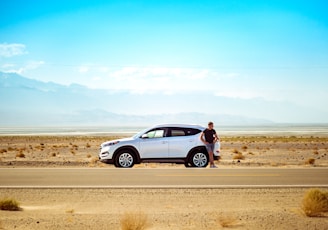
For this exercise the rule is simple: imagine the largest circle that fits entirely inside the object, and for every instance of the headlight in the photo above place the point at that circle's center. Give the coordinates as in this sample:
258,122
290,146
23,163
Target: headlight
111,143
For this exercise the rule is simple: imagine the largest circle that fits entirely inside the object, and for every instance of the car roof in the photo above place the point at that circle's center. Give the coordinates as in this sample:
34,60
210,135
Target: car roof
179,126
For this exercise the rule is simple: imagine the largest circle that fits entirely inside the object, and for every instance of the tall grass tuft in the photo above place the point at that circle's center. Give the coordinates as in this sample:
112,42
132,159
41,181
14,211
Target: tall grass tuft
227,221
9,204
244,147
134,221
310,161
315,202
239,156
20,155
235,151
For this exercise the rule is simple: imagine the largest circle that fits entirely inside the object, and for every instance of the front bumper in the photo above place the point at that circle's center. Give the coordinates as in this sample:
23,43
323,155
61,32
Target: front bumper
106,154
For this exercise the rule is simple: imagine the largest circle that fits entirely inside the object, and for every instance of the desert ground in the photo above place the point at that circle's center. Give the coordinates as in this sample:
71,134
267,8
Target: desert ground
164,208
82,151
248,208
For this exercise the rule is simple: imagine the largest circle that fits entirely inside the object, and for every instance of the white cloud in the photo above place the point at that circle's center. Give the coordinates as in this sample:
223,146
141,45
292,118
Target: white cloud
169,81
83,69
87,68
238,93
141,80
10,50
34,64
7,65
30,65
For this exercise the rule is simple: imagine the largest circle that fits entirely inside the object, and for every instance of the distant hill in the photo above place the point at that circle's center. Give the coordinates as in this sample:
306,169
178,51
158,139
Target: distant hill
28,102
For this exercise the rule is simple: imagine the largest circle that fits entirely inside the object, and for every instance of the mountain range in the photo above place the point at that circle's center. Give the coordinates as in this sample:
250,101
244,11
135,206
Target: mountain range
29,102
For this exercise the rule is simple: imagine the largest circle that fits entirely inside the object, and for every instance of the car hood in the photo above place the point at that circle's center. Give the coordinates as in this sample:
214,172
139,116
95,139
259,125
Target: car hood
120,140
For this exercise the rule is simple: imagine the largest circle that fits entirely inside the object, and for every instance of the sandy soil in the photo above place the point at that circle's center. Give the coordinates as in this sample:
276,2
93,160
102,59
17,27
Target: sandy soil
165,208
82,151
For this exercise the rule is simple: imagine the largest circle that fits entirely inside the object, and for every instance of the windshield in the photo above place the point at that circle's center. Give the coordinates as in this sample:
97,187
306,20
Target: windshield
140,133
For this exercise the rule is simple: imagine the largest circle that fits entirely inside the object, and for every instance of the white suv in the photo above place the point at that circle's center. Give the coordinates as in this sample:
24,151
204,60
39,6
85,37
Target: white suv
161,143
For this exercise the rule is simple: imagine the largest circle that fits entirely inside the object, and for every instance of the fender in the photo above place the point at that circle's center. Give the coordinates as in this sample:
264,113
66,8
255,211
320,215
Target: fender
197,148
131,148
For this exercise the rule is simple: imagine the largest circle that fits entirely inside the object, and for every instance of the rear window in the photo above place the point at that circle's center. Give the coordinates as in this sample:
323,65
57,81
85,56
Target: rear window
190,131
176,132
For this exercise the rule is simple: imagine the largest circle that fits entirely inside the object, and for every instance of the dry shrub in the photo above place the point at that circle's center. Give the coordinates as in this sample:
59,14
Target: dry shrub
20,155
71,211
316,152
11,149
227,221
244,147
250,153
88,155
239,156
134,221
310,161
235,151
88,145
94,160
3,150
9,204
53,154
315,202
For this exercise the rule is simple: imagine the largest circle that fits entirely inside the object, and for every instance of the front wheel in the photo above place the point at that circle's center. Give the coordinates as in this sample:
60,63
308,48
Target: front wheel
199,159
125,159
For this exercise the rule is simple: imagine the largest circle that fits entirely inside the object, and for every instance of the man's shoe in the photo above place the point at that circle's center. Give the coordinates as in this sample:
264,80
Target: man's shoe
213,166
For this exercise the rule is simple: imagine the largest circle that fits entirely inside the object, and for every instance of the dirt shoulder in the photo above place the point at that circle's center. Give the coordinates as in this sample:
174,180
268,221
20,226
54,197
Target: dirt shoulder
165,208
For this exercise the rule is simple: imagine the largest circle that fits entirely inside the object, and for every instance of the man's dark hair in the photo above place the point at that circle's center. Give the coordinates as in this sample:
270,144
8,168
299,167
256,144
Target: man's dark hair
210,123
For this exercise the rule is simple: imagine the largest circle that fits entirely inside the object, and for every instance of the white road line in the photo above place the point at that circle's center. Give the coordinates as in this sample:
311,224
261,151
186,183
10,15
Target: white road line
160,186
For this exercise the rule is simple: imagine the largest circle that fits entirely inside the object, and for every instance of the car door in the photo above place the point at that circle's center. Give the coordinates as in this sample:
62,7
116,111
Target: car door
180,142
154,144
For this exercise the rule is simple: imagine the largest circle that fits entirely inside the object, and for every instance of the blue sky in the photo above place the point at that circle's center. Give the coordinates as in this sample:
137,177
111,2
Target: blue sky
269,50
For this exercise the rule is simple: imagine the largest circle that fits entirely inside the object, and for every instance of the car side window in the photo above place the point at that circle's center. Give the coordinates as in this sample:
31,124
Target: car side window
191,131
177,132
157,133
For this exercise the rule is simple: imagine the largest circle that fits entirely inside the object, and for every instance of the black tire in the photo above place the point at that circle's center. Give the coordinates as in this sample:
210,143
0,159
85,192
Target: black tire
187,164
125,159
198,159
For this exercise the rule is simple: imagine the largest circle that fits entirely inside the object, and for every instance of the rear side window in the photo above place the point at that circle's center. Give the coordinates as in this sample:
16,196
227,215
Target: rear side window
178,132
191,131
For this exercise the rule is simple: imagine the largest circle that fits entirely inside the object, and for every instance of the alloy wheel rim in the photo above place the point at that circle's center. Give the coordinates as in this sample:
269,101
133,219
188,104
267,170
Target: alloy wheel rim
199,159
125,160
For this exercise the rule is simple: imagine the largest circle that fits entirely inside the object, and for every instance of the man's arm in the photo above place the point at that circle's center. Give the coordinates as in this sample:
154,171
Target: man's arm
217,138
202,138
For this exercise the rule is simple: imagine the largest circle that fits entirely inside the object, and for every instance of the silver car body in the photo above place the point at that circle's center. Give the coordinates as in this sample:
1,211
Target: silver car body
160,143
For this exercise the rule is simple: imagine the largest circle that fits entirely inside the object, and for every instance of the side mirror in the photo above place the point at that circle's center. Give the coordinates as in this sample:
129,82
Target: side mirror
144,136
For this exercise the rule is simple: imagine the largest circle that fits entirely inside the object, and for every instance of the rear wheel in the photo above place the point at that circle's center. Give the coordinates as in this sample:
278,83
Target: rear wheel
125,159
198,159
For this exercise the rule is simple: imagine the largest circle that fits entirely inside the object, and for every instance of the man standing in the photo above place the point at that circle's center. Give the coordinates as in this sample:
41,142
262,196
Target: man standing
210,138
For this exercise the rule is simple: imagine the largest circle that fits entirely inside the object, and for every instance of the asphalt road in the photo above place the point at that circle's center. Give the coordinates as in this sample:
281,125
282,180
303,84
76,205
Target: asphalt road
161,178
